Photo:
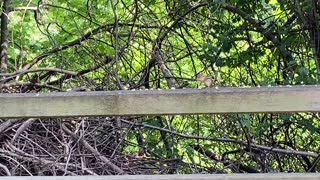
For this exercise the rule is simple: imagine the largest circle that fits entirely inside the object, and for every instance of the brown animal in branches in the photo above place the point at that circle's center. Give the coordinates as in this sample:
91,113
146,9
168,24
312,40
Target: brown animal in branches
207,80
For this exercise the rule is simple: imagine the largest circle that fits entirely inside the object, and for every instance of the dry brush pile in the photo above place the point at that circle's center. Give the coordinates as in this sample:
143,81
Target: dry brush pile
75,146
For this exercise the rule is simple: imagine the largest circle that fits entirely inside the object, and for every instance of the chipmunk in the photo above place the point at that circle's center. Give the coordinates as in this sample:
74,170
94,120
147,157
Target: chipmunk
207,80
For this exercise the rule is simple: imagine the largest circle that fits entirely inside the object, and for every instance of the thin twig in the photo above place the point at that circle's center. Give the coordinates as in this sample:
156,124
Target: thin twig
93,151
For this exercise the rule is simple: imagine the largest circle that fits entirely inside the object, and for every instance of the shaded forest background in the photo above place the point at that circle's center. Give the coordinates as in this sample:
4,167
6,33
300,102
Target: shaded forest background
63,45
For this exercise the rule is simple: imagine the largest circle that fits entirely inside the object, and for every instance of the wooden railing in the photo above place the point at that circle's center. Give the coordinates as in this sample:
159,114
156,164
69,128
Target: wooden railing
162,102
166,102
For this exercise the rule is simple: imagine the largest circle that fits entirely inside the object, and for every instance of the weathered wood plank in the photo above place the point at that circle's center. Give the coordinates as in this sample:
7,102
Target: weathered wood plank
161,102
273,176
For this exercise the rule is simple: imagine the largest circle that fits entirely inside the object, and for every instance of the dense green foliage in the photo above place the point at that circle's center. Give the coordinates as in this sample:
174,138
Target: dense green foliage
136,44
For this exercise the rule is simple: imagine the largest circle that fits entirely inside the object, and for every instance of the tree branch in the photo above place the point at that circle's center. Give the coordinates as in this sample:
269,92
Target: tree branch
253,145
4,36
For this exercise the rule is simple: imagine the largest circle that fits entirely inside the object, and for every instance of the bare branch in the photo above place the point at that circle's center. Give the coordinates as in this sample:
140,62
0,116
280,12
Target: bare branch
4,37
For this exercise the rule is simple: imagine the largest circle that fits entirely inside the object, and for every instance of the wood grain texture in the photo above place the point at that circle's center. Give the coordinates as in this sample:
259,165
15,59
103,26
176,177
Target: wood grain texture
162,102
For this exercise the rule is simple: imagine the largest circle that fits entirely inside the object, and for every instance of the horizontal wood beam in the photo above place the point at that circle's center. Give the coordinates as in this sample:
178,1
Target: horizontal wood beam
162,102
273,176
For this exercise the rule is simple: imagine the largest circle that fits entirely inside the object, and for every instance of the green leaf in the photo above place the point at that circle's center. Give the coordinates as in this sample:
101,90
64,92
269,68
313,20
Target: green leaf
226,46
303,71
220,62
